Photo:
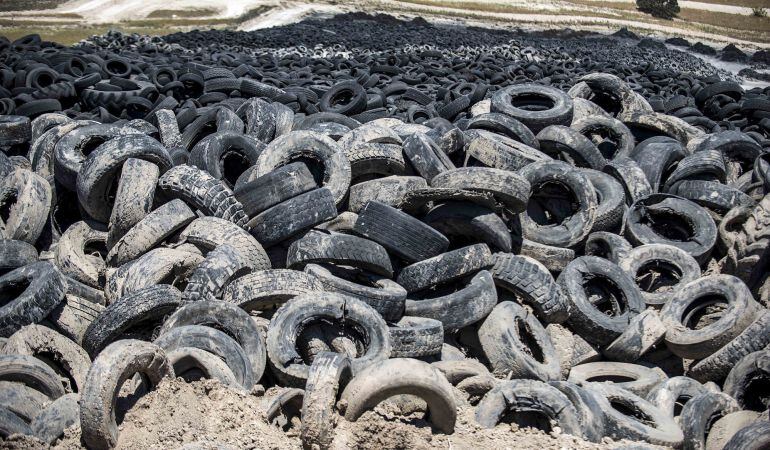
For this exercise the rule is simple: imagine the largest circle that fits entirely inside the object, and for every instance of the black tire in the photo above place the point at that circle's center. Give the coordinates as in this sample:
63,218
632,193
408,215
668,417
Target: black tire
566,144
640,379
643,333
213,341
611,200
607,245
117,363
23,401
281,184
630,176
505,125
546,221
445,268
691,332
49,424
752,437
383,294
620,140
717,197
72,148
33,373
32,292
293,216
142,307
528,395
208,280
329,373
133,199
415,337
225,155
705,165
333,100
674,393
460,308
426,156
25,199
493,150
211,232
660,270
656,156
532,283
317,247
346,312
11,424
511,189
672,220
700,413
264,289
389,191
15,254
748,379
202,191
399,233
589,412
534,105
516,344
619,297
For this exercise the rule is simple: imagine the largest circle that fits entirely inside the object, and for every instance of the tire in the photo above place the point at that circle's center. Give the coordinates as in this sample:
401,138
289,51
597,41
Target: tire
73,148
282,334
682,315
674,393
712,195
566,144
669,267
384,295
49,424
528,395
15,254
464,222
530,282
607,245
389,191
208,280
23,401
656,157
746,379
493,150
117,363
33,373
716,366
534,105
445,268
140,307
426,157
630,176
275,187
384,379
11,424
284,407
73,316
213,341
728,426
202,191
753,437
151,231
268,288
509,188
517,346
211,232
194,363
399,233
225,154
707,165
133,199
32,292
700,413
36,340
634,418
468,305
641,379
25,198
414,337
71,258
351,90
591,275
504,125
588,410
228,318
563,230
645,331
375,159
340,249
611,201
102,166
293,216
329,373
667,219
313,146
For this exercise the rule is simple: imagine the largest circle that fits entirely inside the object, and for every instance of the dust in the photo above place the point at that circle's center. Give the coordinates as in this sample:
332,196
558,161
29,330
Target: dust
178,413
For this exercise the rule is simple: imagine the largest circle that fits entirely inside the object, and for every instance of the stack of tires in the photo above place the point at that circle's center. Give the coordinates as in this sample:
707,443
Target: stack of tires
573,256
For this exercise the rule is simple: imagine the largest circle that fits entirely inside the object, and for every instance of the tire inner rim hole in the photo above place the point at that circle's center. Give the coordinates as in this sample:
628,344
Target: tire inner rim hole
66,211
91,143
7,205
612,378
233,164
353,275
704,311
669,225
605,295
129,393
54,361
629,409
324,335
599,248
531,345
44,79
314,165
12,290
551,203
341,98
756,394
606,101
117,67
527,418
531,101
710,423
658,276
97,248
679,404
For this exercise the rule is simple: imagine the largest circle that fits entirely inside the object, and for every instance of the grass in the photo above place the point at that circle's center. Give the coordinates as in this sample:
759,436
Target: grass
746,3
184,13
733,21
28,5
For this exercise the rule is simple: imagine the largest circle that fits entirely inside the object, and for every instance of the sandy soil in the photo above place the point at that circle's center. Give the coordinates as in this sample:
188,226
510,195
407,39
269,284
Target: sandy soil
177,413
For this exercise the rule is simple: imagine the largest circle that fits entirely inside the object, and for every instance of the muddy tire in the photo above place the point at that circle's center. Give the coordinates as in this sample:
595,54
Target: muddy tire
329,373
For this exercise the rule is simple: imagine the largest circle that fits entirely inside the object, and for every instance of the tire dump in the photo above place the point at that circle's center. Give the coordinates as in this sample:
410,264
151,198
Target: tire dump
441,231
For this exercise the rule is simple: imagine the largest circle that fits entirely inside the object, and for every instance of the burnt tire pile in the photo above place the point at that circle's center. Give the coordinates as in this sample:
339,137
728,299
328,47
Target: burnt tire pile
569,242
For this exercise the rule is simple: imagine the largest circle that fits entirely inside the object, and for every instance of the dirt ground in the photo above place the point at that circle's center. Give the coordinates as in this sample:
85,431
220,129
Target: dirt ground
179,413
